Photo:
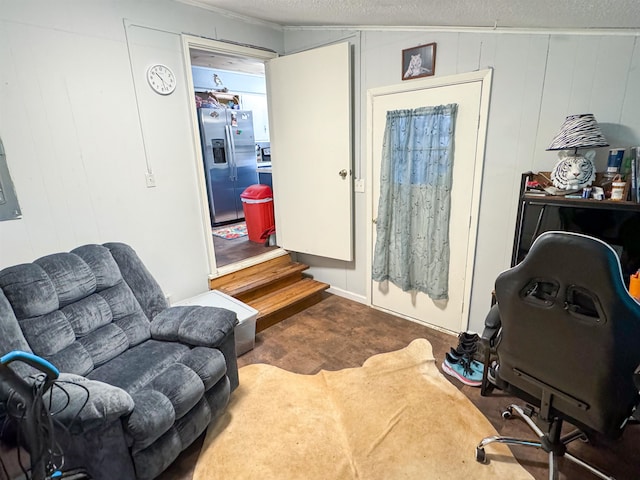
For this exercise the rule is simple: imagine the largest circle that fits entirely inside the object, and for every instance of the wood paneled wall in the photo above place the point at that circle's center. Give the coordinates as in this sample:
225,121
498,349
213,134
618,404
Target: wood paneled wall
539,78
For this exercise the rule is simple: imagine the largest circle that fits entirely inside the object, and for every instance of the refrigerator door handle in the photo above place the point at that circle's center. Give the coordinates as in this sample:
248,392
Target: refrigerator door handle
232,148
229,152
235,158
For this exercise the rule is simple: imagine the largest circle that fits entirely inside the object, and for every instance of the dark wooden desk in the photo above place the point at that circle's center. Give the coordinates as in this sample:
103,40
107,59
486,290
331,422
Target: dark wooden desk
615,222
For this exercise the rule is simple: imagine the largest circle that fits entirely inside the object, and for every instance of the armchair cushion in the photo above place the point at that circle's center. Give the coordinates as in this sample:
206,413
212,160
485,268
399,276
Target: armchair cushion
181,386
152,417
87,404
208,363
194,325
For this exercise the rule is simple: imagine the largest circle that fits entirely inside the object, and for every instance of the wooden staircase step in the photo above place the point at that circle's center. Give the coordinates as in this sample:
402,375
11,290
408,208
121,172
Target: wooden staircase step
289,300
265,282
241,276
276,288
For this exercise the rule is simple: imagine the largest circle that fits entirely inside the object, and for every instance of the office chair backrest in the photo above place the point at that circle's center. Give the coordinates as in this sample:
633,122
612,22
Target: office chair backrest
569,327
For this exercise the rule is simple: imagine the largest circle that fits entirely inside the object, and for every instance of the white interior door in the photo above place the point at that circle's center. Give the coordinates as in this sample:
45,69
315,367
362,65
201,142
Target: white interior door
309,95
472,100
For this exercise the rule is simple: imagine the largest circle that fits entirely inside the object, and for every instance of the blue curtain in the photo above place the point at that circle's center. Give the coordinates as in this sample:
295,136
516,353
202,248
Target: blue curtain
412,228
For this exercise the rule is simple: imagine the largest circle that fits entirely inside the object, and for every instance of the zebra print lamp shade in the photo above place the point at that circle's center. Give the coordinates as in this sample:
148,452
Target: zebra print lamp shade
573,170
579,131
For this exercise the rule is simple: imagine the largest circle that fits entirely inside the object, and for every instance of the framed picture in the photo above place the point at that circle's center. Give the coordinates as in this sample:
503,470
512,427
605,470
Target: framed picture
419,61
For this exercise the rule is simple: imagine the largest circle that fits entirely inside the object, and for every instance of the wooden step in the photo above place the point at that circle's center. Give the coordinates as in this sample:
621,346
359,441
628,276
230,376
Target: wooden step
241,276
263,282
276,288
268,282
289,300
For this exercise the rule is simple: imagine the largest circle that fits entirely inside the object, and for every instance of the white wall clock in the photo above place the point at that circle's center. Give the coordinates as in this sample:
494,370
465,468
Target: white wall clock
161,79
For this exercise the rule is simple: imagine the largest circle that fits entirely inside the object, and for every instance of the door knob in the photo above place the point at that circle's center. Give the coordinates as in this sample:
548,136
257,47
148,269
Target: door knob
343,173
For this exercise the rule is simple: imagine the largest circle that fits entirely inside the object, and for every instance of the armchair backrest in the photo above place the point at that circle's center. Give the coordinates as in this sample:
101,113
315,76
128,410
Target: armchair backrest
78,309
571,330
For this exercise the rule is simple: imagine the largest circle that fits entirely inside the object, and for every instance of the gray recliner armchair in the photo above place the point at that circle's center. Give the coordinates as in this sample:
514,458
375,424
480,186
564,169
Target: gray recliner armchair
144,379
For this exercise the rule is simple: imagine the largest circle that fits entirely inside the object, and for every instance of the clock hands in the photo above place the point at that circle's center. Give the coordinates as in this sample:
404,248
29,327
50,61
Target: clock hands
161,79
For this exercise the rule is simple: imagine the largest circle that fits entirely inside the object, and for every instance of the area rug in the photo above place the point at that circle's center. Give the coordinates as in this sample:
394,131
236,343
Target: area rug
231,232
396,417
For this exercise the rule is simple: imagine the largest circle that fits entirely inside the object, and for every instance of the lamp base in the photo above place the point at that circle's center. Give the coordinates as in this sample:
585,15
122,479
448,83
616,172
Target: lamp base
574,171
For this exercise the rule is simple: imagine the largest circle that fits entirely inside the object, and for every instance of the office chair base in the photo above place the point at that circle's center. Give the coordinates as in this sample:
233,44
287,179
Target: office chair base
554,449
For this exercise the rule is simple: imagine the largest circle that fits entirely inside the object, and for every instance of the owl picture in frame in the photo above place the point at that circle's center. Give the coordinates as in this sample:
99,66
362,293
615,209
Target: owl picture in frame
574,171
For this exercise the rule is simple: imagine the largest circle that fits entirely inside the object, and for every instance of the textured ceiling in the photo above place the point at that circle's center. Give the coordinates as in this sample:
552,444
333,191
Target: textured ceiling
555,14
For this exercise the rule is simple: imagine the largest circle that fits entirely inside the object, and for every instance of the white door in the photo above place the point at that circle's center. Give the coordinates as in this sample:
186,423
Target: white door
309,95
472,99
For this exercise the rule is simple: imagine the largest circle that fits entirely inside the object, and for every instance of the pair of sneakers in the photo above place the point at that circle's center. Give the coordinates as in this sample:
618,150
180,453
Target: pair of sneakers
459,362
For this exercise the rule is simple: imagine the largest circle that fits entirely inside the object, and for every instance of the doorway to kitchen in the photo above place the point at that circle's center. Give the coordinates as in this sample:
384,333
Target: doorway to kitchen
229,103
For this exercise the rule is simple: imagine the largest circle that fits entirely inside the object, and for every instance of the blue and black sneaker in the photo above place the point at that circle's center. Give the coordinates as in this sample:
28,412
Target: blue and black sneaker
461,369
461,354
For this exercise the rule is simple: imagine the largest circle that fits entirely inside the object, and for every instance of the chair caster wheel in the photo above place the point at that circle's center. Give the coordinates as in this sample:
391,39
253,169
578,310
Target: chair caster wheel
481,456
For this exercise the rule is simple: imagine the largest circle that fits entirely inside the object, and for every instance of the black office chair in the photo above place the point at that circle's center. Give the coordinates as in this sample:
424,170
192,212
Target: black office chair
569,344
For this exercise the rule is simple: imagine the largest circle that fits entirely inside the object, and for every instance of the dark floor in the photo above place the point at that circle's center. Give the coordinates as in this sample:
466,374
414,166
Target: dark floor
338,333
237,249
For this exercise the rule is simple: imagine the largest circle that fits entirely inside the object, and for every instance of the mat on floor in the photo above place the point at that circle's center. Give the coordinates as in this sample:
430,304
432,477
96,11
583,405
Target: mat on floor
231,231
396,417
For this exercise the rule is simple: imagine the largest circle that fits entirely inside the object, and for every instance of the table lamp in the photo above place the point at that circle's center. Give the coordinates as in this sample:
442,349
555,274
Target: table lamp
574,170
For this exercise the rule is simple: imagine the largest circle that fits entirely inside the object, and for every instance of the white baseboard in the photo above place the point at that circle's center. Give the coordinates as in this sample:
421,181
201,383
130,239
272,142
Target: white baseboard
349,295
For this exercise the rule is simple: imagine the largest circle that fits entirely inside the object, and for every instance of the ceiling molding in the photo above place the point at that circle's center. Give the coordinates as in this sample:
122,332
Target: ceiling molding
232,15
455,29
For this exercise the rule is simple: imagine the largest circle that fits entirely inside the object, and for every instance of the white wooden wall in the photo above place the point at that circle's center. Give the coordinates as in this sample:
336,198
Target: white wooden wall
539,78
80,128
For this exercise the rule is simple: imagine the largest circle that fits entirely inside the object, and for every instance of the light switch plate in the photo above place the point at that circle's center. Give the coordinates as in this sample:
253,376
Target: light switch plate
150,179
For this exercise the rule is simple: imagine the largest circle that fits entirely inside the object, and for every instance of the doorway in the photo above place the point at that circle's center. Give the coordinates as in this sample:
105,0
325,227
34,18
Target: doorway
471,93
228,80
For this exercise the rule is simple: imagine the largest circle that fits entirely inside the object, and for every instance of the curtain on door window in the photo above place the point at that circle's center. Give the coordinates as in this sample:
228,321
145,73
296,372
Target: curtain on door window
412,228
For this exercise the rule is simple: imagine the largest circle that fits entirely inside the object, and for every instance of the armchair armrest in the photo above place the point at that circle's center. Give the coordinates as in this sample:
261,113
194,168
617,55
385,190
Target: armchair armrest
194,325
82,404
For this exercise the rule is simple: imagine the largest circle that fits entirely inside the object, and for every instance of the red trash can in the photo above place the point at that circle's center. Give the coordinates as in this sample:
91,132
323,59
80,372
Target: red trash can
257,204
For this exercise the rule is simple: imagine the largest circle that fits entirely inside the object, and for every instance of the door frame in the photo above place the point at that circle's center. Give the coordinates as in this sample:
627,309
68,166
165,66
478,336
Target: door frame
189,42
483,76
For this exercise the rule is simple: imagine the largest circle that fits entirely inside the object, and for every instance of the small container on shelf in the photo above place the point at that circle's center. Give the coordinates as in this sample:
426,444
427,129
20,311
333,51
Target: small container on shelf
618,189
598,193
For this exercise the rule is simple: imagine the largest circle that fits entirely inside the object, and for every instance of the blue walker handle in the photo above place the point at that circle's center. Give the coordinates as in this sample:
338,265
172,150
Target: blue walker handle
33,360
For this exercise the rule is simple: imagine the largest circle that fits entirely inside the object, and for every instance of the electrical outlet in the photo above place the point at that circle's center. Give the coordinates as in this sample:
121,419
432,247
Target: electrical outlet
151,179
359,185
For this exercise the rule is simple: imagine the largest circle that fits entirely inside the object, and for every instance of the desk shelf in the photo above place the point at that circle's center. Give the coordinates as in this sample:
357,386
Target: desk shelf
579,202
615,222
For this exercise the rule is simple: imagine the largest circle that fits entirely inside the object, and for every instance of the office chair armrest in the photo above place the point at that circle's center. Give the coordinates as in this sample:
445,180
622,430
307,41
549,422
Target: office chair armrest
489,339
492,324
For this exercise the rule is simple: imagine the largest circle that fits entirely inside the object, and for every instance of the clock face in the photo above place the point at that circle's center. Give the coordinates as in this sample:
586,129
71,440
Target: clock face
161,79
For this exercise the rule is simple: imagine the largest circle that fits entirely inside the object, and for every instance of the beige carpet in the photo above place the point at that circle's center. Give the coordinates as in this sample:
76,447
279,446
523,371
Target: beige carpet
396,417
